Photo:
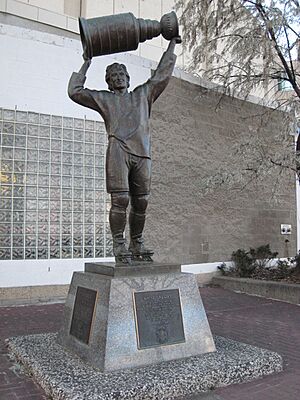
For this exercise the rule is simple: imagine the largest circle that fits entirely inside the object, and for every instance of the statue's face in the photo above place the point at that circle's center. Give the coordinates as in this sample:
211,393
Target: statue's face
118,79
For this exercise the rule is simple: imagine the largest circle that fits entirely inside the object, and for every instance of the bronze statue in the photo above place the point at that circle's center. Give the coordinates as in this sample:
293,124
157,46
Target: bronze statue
128,158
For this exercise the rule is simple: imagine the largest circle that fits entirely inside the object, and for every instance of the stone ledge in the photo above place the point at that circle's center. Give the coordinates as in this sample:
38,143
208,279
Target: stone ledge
269,289
64,377
12,296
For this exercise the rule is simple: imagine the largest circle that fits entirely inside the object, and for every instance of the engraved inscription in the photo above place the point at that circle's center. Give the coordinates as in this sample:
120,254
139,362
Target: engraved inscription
158,318
83,313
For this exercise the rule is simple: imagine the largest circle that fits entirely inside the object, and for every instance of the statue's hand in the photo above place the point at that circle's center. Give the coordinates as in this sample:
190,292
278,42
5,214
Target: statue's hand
178,40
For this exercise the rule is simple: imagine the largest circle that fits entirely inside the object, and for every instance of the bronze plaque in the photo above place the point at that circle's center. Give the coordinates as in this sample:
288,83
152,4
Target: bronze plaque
83,313
158,318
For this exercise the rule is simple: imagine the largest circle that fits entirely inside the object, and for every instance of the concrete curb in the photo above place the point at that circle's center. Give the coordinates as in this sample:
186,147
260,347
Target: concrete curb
269,289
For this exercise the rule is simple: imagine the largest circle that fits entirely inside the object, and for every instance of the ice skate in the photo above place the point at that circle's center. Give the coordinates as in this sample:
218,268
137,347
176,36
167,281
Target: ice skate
139,251
122,255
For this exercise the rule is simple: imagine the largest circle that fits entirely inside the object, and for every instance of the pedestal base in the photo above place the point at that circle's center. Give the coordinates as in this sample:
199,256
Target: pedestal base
124,317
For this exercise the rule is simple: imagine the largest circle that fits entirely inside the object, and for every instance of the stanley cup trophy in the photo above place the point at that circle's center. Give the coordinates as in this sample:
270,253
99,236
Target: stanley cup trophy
126,116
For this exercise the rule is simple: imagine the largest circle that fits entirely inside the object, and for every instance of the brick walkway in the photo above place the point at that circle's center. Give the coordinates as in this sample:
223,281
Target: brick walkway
262,322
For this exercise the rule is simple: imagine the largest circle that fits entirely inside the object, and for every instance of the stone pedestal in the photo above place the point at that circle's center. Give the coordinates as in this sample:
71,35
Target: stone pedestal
125,317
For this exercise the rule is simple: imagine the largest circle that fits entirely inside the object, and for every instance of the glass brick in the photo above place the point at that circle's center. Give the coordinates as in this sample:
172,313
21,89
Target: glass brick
56,133
5,228
78,159
54,252
43,180
43,216
8,127
43,204
78,182
89,206
20,154
1,113
89,137
5,254
5,241
54,216
18,204
30,253
89,125
66,240
89,240
99,184
77,229
43,192
99,207
33,118
31,191
32,167
33,130
5,216
18,229
99,150
44,119
45,131
7,140
67,158
19,166
44,155
89,160
30,228
30,240
66,217
89,148
55,169
66,181
99,126
100,138
78,147
18,191
18,216
67,205
78,194
32,142
67,145
78,123
66,193
19,179
31,216
66,252
18,254
68,134
8,115
54,240
77,240
44,144
31,179
18,241
77,217
89,218
67,122
55,229
44,168
67,169
99,161
99,172
20,141
89,195
32,155
77,252
99,196
42,240
55,204
88,252
99,252
56,120
7,153
55,180
42,253
21,116
55,157
5,204
43,228
99,241
77,205
109,251
31,204
55,193
6,178
99,216
78,170
67,229
78,136
89,229
21,129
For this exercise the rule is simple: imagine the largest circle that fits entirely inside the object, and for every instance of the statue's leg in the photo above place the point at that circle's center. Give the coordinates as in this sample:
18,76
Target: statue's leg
117,221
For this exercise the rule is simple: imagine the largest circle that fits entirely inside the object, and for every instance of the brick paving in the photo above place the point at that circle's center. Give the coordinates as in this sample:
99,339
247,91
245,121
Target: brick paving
262,322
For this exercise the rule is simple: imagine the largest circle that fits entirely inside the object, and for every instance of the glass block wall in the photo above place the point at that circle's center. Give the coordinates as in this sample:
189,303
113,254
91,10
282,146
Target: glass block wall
53,201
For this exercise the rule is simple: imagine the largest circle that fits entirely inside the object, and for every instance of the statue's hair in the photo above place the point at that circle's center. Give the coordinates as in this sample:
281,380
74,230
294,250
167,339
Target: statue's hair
110,69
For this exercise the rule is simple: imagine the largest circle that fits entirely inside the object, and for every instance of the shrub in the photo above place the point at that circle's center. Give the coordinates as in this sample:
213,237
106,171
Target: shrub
244,264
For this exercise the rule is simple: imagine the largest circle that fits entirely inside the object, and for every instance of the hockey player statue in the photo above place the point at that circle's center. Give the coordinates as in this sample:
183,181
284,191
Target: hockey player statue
128,158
